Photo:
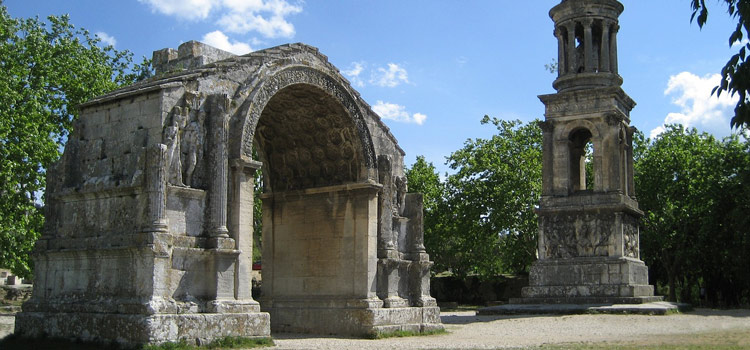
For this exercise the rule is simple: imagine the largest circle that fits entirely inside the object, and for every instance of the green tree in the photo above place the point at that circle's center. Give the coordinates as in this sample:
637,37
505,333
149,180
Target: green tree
48,69
691,187
736,73
485,222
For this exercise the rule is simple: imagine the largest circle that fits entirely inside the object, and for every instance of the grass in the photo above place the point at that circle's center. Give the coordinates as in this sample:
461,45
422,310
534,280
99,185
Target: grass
402,334
17,343
222,343
642,347
723,340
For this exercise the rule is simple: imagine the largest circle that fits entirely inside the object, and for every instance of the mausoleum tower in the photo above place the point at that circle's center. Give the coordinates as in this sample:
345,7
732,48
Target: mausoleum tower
588,214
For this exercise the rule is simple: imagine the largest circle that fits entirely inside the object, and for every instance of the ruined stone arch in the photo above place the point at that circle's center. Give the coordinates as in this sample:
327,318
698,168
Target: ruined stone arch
158,239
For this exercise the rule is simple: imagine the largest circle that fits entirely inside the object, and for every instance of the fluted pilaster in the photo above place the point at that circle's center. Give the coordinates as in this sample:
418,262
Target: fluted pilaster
156,188
218,187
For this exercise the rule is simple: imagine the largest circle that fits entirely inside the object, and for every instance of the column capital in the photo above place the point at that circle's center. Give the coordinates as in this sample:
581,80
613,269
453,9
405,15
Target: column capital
244,164
558,33
570,25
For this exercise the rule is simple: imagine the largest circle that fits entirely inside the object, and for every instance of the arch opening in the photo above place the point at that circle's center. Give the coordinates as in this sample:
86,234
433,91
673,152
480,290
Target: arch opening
581,151
315,208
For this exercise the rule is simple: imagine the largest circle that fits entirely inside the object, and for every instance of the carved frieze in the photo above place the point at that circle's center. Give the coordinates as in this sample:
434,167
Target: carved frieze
583,235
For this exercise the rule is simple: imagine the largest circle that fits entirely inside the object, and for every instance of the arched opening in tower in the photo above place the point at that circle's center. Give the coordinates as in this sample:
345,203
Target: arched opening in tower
581,160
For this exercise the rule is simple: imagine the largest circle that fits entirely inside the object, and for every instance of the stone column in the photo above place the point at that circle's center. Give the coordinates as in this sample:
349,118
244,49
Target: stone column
613,49
386,248
156,188
217,199
604,60
588,45
415,226
629,155
561,59
619,240
419,280
241,223
547,157
571,26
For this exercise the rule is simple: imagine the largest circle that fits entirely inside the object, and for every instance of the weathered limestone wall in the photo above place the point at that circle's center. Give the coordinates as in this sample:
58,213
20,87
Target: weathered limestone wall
321,242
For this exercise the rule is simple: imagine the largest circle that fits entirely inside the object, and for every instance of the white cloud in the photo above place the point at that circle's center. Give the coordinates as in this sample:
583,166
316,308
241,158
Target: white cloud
353,73
106,38
183,9
419,118
397,113
218,40
698,107
267,17
393,76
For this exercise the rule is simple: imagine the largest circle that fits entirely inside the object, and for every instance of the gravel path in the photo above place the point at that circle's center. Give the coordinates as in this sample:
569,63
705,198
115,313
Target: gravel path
467,331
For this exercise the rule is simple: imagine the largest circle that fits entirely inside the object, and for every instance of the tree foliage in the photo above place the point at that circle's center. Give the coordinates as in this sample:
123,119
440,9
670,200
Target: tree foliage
48,68
735,76
696,232
484,221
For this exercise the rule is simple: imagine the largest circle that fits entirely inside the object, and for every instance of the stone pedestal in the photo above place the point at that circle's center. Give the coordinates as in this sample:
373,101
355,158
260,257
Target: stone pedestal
588,280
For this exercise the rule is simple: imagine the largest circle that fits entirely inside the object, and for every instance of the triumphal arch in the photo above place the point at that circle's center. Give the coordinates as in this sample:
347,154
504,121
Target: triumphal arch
149,230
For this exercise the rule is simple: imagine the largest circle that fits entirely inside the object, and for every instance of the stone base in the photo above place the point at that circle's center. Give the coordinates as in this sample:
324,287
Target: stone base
353,321
133,330
588,280
651,308
587,300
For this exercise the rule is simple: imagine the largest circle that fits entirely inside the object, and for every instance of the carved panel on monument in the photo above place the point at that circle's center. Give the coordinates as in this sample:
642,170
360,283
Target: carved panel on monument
569,236
185,135
631,244
558,242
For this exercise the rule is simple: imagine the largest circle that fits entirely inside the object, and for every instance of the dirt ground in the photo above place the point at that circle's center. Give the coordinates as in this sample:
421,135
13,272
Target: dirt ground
468,331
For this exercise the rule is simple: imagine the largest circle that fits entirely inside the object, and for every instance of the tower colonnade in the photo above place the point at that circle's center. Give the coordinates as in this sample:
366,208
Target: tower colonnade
587,46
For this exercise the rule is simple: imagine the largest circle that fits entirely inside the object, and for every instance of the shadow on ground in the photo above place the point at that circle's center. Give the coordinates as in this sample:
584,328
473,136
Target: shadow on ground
466,318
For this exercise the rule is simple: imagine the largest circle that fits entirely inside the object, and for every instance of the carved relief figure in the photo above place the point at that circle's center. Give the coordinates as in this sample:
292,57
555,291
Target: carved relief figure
592,234
192,146
630,238
399,194
171,138
557,243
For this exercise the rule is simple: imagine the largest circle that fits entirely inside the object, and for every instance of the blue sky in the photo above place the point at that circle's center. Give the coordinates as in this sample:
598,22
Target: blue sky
433,68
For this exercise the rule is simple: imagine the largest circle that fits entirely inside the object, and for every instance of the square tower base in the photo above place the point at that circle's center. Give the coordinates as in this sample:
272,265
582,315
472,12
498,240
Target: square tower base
588,280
